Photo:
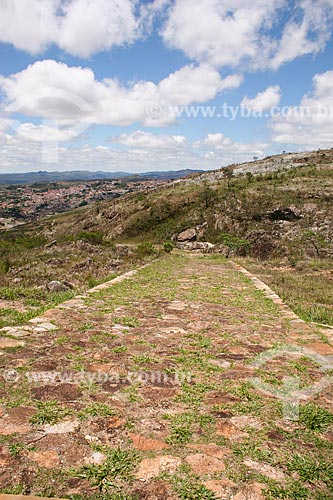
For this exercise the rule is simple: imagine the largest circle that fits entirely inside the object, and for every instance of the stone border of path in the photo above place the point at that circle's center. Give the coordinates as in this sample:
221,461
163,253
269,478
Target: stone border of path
77,300
42,323
118,279
269,293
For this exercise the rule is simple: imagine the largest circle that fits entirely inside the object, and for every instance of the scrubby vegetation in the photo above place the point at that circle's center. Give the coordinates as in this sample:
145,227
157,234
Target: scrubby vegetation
281,221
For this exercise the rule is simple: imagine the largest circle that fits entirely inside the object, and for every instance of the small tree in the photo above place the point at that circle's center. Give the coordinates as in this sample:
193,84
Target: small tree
208,195
168,247
228,174
317,241
249,177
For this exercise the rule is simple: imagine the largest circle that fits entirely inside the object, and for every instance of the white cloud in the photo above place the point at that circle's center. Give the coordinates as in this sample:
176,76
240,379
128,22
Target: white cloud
3,124
217,32
90,26
29,25
265,100
81,27
195,84
305,34
234,33
218,143
53,90
311,123
221,33
135,152
149,12
214,140
147,140
50,90
44,133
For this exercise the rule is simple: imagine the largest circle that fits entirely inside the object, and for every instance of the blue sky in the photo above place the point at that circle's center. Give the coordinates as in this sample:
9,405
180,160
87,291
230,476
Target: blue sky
162,84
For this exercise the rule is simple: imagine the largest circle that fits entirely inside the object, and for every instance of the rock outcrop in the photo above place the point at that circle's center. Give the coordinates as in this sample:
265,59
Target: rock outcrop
187,235
197,246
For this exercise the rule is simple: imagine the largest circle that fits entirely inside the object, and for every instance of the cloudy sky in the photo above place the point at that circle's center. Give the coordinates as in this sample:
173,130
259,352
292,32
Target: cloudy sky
162,84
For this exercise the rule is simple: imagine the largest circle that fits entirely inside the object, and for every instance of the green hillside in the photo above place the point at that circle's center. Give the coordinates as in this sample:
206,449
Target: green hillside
272,211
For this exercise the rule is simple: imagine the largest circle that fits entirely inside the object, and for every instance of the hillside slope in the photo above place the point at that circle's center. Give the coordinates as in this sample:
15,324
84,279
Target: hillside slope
284,215
280,212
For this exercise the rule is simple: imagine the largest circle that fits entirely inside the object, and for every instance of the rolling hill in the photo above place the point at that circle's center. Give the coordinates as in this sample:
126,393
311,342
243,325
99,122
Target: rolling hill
276,213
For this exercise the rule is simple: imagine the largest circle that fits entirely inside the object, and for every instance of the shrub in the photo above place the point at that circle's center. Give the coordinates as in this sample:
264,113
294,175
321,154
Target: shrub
168,247
145,249
232,241
95,238
4,265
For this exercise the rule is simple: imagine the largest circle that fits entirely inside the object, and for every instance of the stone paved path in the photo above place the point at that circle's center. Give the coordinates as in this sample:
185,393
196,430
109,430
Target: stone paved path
157,386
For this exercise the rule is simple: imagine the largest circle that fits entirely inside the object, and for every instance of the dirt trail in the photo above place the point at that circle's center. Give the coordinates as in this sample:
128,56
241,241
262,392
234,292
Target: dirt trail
152,387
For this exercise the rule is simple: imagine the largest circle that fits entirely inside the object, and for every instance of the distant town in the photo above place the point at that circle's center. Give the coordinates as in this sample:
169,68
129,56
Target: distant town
23,203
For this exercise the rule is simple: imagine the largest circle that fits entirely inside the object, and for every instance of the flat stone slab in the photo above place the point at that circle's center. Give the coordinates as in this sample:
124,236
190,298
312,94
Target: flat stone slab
6,343
266,470
211,449
152,467
62,427
45,327
96,458
17,332
20,333
228,430
252,491
45,458
73,304
178,305
146,444
38,319
222,488
320,348
15,421
201,463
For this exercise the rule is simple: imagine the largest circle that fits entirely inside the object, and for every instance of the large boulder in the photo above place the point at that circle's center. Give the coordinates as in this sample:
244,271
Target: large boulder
187,235
197,246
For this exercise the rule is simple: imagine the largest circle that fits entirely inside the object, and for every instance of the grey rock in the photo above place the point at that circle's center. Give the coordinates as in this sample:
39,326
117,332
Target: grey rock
56,286
62,427
187,235
197,246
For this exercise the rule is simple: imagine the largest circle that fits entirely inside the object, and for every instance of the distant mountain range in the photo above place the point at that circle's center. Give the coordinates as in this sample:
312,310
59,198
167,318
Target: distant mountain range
85,175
